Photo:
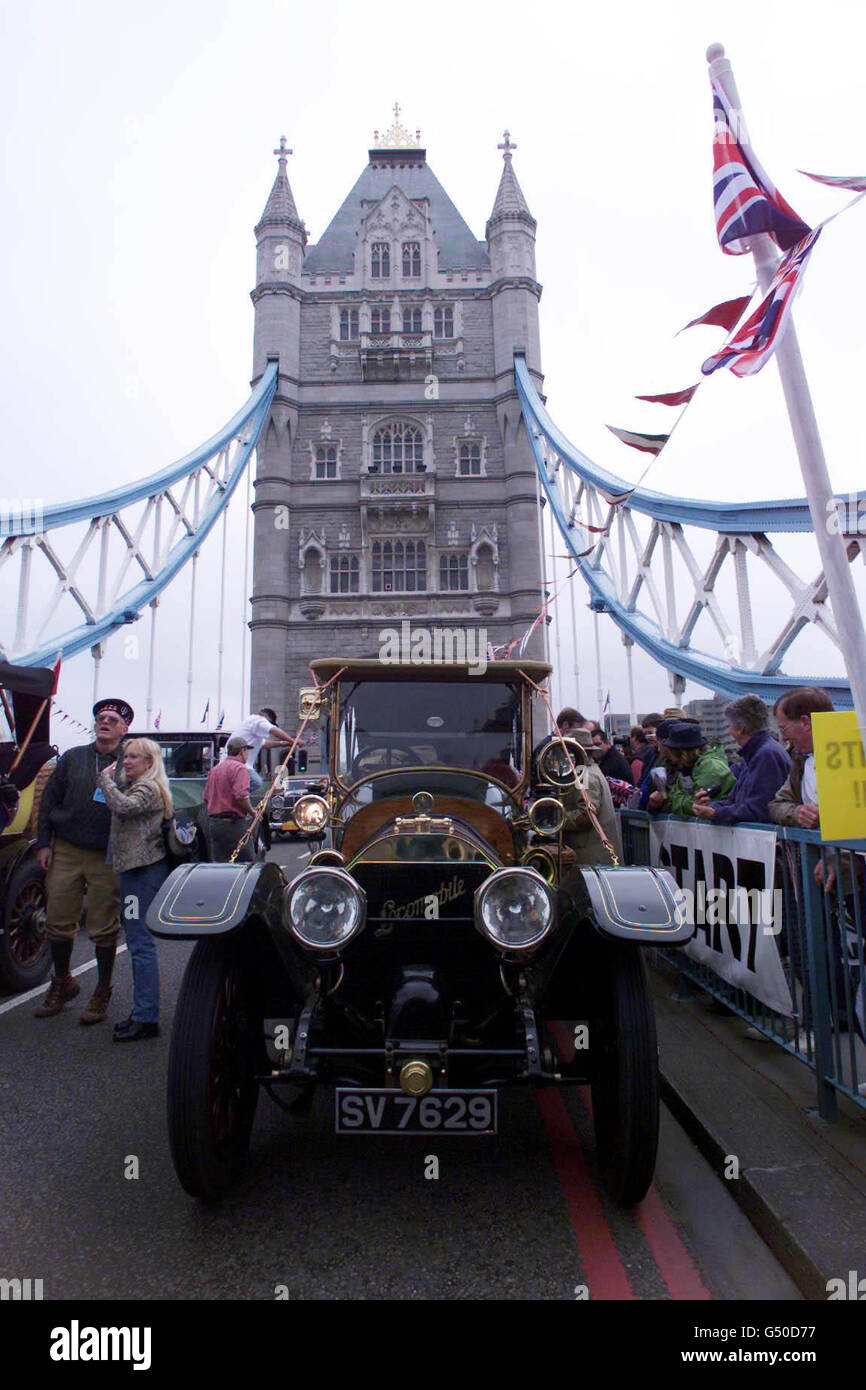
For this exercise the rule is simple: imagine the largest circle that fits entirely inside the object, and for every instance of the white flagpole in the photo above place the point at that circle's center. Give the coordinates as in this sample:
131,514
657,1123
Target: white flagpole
816,477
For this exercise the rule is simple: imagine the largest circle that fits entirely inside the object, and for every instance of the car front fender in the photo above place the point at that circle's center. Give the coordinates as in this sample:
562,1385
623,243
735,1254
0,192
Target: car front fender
638,904
214,899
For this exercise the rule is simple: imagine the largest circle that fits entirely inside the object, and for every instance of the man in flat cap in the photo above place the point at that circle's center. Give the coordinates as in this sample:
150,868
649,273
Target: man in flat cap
72,840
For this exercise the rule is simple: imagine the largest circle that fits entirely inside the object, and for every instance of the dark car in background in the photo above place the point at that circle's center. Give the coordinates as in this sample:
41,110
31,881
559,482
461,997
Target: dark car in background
282,804
444,947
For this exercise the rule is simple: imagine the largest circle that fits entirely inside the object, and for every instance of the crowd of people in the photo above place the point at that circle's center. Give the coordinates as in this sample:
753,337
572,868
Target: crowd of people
666,765
103,831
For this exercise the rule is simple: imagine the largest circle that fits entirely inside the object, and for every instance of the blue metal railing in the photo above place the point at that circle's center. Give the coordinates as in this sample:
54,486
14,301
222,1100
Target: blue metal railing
821,946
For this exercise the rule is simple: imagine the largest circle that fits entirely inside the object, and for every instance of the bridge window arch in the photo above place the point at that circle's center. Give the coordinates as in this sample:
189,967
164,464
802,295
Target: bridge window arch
399,566
348,325
443,321
380,265
380,320
411,259
344,574
454,571
398,447
412,319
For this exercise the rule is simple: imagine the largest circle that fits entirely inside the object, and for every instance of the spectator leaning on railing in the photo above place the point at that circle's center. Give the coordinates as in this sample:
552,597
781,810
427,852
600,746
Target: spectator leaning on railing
766,767
698,768
796,801
796,804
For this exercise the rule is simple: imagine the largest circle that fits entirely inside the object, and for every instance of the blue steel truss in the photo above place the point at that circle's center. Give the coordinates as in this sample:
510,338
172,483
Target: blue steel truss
581,494
219,463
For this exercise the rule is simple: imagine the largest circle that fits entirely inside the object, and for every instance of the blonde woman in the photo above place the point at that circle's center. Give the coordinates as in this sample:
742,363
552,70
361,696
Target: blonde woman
137,852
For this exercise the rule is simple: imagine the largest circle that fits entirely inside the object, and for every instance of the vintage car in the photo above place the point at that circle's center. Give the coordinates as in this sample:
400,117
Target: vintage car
26,763
281,807
188,756
444,946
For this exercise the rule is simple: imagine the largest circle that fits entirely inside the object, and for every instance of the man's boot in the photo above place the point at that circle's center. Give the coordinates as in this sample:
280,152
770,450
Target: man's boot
59,993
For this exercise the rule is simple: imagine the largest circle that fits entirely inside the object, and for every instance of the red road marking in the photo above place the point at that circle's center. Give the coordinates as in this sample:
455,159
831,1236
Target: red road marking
605,1272
675,1264
680,1274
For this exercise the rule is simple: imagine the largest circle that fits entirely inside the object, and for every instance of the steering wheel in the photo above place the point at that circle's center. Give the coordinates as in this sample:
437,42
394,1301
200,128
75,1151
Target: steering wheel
383,757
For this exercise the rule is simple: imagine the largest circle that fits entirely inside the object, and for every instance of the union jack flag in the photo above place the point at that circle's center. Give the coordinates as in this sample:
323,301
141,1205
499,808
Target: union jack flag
753,344
746,200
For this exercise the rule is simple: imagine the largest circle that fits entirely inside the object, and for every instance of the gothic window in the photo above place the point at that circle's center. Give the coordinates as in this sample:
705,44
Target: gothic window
380,321
399,567
443,322
326,461
454,571
398,448
381,266
412,320
344,574
411,259
470,460
348,325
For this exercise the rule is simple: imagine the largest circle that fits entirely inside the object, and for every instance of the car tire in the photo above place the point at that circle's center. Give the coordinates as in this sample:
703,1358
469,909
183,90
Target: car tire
212,1065
625,1076
25,954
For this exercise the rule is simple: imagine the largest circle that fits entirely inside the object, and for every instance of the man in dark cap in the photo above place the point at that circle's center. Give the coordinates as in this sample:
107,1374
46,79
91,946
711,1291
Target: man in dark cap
698,768
72,840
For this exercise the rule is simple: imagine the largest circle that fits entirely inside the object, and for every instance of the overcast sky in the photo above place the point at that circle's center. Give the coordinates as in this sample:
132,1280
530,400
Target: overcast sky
137,158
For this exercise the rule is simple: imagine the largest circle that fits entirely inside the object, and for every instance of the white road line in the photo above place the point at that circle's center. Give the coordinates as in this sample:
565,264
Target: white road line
35,993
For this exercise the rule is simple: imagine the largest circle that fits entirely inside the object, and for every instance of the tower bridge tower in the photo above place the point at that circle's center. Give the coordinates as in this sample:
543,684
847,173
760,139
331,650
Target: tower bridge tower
395,479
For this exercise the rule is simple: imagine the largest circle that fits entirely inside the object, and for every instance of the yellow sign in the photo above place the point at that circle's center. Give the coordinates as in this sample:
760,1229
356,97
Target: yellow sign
840,767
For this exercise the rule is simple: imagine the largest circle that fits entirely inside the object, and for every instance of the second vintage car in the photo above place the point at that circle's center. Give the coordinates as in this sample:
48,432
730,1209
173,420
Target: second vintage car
465,930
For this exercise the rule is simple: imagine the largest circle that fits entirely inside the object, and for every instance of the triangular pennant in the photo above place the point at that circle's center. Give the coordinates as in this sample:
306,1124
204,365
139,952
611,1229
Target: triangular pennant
725,315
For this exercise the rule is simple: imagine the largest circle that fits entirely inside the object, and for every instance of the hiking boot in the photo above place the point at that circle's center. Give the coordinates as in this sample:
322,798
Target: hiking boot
59,993
98,1006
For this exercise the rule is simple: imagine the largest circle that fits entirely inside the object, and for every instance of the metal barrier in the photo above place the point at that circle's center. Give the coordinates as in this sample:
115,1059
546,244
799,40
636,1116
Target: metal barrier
821,947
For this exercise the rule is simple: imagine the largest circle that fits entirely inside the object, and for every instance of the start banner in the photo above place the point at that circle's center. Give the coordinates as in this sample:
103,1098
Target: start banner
727,875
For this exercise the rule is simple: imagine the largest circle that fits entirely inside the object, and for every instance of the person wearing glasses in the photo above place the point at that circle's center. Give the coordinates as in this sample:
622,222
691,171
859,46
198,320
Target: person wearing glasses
72,840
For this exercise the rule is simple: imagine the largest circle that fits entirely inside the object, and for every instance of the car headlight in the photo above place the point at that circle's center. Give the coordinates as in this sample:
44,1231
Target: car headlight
311,813
559,760
514,908
326,908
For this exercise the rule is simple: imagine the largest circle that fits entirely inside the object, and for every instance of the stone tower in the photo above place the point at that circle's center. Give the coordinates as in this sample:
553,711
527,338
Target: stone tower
395,480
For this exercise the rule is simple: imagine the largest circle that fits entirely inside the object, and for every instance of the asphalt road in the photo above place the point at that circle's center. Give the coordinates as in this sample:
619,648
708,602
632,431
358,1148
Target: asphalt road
322,1217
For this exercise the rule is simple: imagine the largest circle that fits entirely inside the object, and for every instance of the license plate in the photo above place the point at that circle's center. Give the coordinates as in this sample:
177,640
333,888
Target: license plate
363,1111
288,825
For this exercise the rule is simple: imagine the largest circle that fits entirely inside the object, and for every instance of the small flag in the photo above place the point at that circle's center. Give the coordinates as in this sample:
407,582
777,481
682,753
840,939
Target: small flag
206,711
746,201
754,343
671,397
221,719
606,704
158,720
56,669
647,443
855,184
725,315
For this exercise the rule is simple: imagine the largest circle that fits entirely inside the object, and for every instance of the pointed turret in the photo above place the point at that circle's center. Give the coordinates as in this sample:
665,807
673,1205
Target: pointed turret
280,208
509,202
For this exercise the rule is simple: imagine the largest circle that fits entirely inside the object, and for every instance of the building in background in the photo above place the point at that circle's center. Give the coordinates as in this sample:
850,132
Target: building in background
394,477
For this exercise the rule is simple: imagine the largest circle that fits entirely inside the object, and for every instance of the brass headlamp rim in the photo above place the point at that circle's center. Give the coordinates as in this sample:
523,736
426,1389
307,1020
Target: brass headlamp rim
576,752
544,802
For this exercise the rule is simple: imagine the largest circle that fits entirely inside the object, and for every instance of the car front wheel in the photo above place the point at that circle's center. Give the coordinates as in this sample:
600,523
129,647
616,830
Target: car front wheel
625,1081
25,957
212,1086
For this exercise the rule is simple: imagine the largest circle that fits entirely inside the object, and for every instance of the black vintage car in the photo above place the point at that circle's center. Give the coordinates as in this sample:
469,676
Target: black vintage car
445,945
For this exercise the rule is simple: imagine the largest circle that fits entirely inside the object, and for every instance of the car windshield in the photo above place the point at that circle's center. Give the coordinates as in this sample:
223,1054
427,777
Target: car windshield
389,725
186,757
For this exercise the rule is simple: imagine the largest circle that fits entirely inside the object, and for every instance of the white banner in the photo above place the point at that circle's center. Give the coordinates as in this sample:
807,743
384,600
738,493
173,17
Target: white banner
727,874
